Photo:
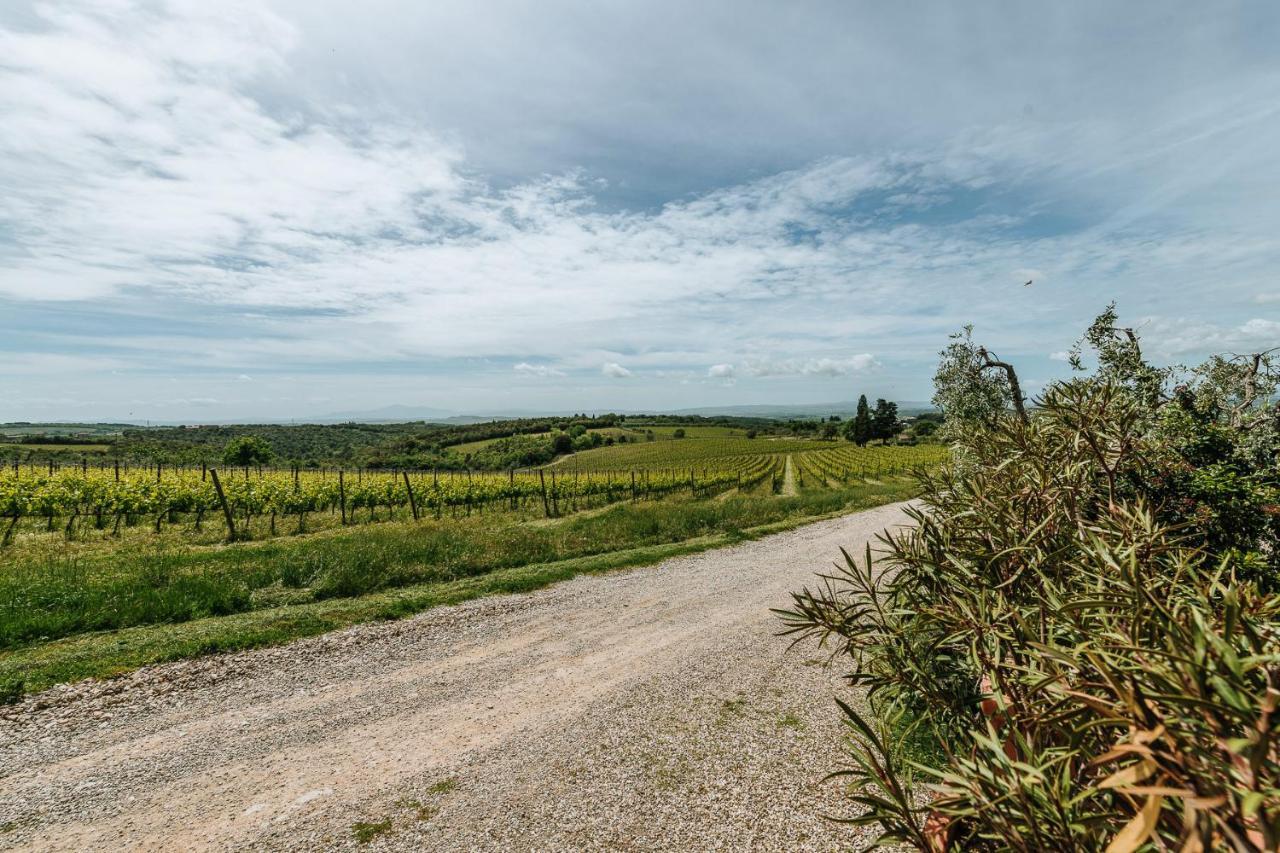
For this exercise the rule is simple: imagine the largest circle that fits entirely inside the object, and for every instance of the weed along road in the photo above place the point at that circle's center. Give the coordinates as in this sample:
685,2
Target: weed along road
652,708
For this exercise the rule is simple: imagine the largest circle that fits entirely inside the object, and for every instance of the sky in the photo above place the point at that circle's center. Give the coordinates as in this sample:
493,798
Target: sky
283,209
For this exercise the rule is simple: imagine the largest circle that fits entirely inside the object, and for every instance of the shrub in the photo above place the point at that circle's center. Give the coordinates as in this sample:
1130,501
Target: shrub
1081,626
247,450
11,690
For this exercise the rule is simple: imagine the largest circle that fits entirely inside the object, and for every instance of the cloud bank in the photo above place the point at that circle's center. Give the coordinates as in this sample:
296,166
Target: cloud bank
197,192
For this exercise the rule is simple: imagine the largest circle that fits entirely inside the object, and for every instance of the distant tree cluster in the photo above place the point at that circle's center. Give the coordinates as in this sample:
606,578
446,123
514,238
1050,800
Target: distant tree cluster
880,424
247,450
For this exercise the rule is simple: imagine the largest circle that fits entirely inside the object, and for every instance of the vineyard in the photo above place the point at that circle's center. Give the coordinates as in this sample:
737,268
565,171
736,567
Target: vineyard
82,501
91,549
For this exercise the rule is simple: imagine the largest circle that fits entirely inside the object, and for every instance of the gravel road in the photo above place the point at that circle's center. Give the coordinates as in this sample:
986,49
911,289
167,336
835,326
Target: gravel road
648,709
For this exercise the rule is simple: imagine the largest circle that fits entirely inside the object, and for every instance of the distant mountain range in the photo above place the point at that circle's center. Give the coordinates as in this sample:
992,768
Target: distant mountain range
388,414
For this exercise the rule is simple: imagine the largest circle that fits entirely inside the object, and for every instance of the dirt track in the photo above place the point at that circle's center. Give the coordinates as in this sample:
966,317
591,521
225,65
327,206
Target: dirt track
644,709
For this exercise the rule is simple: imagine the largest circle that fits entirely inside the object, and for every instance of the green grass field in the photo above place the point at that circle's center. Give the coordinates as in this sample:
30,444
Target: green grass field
698,453
606,432
667,430
10,447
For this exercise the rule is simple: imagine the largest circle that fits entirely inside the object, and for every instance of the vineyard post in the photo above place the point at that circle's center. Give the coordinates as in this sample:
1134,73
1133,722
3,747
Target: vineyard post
542,481
413,503
117,470
204,471
158,466
555,496
226,507
633,486
342,496
513,489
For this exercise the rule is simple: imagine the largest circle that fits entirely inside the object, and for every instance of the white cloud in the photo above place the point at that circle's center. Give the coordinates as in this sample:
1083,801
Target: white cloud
811,366
614,370
1060,355
1263,330
1186,340
537,369
720,371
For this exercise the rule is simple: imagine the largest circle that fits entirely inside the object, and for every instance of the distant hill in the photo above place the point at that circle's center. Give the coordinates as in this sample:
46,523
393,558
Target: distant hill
402,414
803,410
388,415
61,428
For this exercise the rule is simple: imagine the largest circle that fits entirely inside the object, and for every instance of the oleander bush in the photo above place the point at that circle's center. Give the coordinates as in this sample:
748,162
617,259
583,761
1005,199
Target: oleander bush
1077,644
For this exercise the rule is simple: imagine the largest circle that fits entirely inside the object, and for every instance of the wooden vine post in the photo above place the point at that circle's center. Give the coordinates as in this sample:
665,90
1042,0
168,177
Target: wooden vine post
226,507
413,503
542,481
342,495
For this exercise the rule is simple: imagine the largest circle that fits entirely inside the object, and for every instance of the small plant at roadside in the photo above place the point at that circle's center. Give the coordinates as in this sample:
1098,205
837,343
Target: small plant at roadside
11,690
791,721
365,831
420,811
444,786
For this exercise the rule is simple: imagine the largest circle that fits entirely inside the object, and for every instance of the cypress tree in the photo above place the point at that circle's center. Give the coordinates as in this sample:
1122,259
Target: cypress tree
859,429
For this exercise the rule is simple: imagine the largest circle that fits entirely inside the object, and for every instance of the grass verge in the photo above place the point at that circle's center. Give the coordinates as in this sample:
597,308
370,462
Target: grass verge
639,535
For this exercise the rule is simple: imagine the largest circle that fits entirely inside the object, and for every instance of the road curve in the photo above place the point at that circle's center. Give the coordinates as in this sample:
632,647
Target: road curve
647,709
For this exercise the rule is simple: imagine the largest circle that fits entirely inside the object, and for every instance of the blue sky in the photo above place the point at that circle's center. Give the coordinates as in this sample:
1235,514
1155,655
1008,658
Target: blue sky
276,210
